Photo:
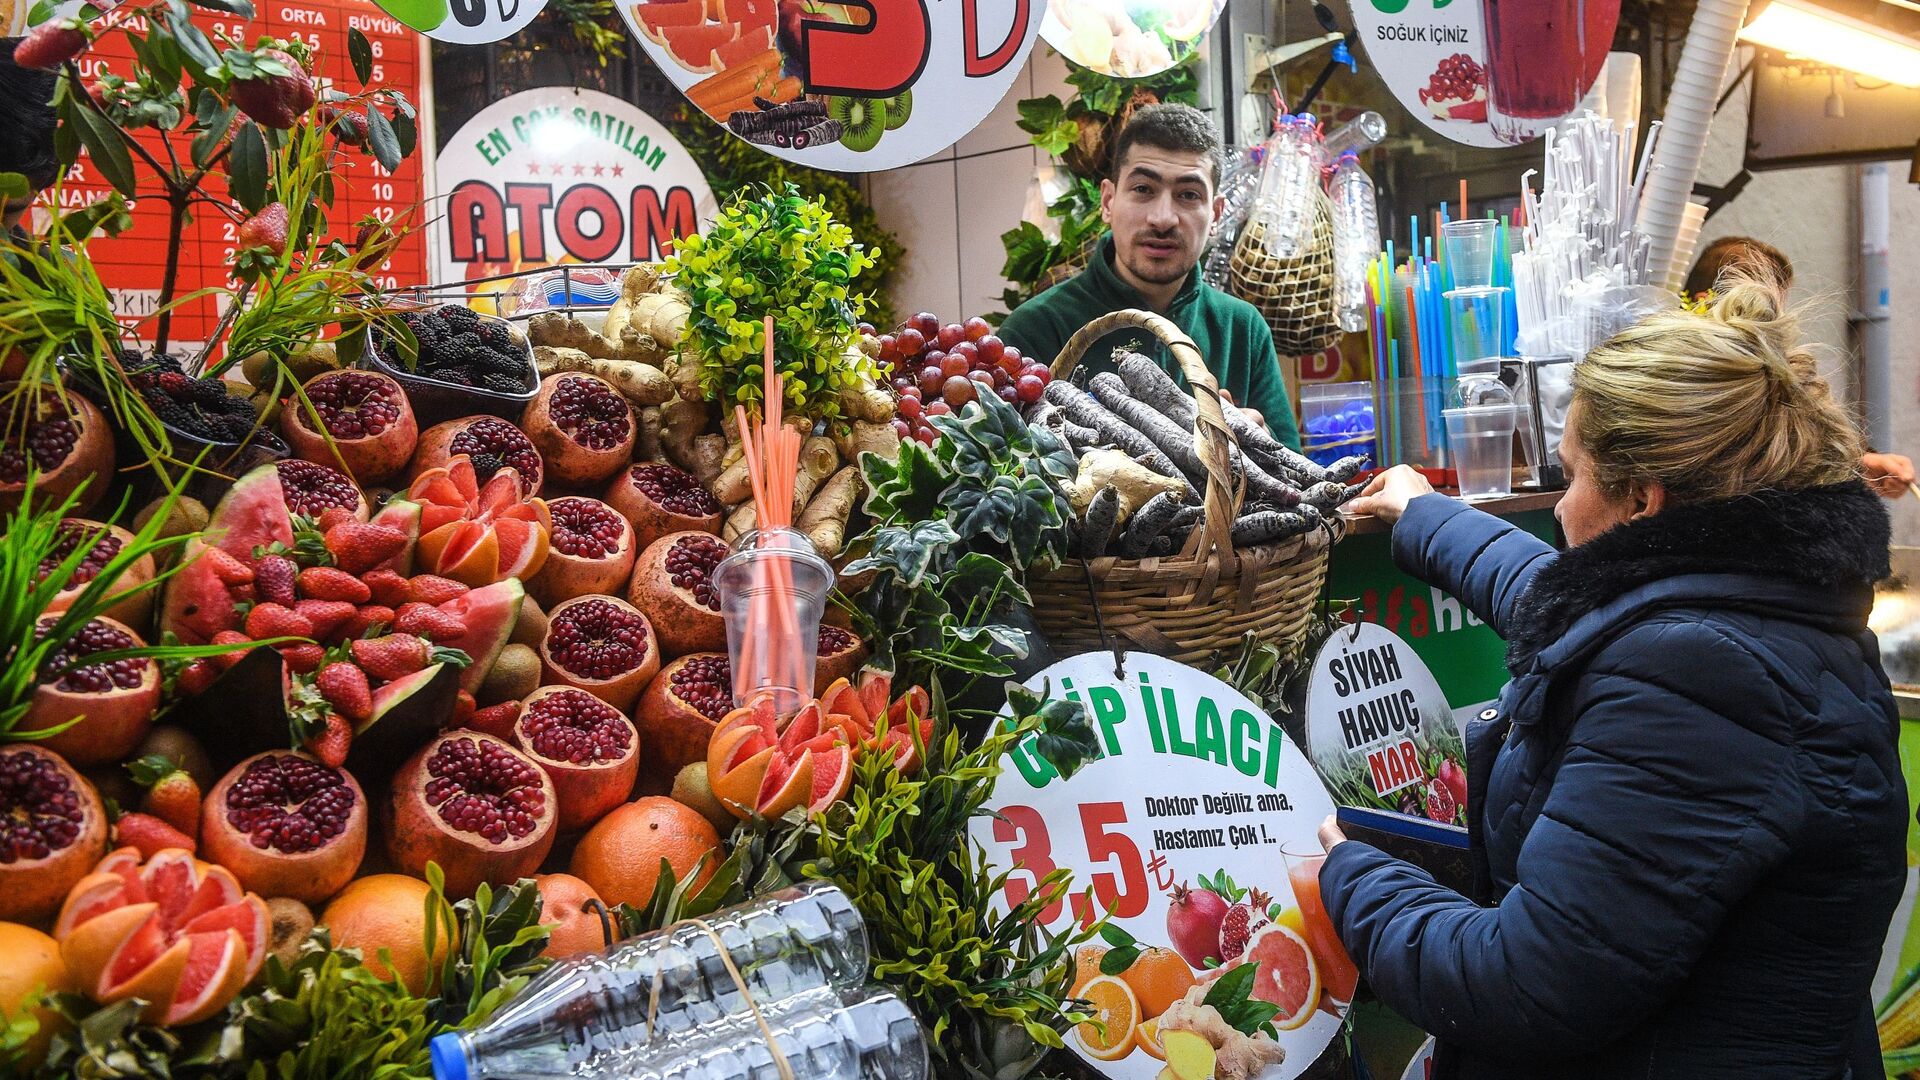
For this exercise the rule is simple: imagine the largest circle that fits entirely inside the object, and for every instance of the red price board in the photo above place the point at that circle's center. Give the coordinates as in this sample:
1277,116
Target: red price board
132,264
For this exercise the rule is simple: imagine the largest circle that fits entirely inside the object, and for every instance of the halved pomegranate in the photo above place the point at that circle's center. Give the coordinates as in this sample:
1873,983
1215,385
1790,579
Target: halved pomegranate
677,714
590,551
478,535
367,416
756,767
308,489
113,703
491,443
661,499
286,825
838,655
673,587
52,830
62,435
476,806
582,427
173,931
600,644
588,748
102,543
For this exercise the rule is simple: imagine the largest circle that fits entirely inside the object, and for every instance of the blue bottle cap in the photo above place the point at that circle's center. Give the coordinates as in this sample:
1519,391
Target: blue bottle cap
449,1057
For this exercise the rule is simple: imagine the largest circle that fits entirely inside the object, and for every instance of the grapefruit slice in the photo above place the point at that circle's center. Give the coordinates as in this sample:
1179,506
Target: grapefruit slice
789,783
1285,976
750,13
832,776
1109,1035
876,693
656,17
478,535
841,699
753,41
692,46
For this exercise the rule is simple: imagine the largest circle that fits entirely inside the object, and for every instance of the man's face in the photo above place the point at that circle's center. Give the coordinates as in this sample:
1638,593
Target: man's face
1161,206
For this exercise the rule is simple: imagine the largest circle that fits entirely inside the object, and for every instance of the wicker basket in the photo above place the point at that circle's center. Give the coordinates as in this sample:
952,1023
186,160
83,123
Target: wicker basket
1295,295
1188,606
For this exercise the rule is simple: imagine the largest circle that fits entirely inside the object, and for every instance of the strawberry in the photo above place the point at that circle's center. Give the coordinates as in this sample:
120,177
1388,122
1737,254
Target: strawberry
427,621
172,795
227,567
333,583
304,658
464,706
327,616
496,720
359,547
226,660
149,834
367,617
50,45
432,589
266,229
345,687
270,620
330,746
196,676
391,657
273,579
331,516
389,588
275,101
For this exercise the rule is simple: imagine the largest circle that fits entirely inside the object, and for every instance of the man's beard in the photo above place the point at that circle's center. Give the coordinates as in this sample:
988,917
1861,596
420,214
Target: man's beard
1160,274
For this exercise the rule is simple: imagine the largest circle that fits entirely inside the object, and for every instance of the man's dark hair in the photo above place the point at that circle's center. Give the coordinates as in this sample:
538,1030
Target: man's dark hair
1753,256
26,120
1168,126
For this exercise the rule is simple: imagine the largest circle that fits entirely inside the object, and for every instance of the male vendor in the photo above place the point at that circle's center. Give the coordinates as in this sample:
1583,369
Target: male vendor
1160,206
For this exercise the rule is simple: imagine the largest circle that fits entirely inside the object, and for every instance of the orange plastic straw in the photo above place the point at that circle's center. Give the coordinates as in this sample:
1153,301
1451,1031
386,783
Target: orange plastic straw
1463,198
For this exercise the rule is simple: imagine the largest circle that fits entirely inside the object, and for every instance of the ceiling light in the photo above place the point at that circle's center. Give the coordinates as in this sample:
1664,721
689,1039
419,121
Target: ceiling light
1808,31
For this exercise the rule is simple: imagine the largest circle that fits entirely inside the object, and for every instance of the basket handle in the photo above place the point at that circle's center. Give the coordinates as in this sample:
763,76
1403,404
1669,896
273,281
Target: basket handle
1221,500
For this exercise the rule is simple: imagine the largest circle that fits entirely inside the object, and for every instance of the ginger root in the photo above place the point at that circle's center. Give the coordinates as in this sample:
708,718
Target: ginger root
743,520
1237,1056
867,437
1135,482
639,280
682,420
560,330
660,316
638,383
824,521
867,403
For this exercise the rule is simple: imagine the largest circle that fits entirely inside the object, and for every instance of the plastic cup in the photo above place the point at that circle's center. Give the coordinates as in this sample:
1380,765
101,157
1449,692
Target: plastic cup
773,591
1470,251
1477,321
1480,441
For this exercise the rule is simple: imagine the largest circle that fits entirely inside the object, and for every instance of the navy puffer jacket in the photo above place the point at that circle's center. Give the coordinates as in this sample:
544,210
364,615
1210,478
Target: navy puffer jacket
1688,817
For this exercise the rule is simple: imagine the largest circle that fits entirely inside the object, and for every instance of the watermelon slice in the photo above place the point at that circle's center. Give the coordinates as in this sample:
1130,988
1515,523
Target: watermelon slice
405,516
489,614
654,18
407,713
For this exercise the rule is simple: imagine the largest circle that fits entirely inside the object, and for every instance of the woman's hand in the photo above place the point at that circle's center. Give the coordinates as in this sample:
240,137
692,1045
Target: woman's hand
1330,833
1888,474
1386,496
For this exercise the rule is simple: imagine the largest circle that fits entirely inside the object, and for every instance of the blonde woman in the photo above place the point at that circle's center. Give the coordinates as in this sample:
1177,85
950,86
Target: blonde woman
1688,817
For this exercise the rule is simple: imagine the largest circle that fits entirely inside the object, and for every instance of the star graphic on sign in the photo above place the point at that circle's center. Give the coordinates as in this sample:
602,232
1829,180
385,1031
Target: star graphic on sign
559,170
618,170
599,170
579,170
533,168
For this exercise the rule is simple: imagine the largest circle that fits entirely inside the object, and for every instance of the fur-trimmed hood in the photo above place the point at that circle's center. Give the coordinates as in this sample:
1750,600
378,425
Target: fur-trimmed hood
1829,538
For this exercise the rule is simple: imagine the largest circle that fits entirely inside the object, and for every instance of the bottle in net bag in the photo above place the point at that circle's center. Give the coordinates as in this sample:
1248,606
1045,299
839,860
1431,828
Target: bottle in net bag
1237,187
871,1035
1356,240
1289,186
786,943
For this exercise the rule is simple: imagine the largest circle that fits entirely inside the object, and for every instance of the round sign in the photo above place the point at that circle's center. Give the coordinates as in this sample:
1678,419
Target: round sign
1197,828
561,175
851,87
465,22
1379,728
1492,73
1128,40
1421,1067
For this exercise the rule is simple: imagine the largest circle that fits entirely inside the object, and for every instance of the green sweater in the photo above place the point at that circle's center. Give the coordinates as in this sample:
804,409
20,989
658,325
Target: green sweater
1232,335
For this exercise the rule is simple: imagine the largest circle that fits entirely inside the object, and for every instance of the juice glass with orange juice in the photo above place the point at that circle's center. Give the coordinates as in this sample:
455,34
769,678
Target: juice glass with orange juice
1337,972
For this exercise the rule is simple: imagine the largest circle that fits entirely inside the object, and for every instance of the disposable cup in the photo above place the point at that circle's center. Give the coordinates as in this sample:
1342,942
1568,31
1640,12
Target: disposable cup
773,591
1470,251
1477,321
1480,442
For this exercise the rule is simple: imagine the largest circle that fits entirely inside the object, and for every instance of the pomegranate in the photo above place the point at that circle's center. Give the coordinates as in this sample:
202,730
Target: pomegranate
490,442
600,644
112,704
590,550
1193,924
365,414
582,427
1455,778
660,499
311,489
1242,920
673,587
286,825
60,434
474,805
838,656
102,543
679,711
1438,801
588,748
52,830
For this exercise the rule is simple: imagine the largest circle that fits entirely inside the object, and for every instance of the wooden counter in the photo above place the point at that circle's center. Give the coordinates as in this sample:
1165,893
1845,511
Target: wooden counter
1518,503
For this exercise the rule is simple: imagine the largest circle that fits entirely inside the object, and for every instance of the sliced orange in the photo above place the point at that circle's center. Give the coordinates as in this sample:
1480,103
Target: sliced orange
1109,1036
1147,1038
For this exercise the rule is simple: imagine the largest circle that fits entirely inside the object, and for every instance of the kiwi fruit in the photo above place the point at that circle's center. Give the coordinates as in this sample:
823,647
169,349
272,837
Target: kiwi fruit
864,120
899,108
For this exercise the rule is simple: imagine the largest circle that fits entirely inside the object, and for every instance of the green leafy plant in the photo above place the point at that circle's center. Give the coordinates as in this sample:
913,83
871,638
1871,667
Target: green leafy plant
778,253
499,938
1231,996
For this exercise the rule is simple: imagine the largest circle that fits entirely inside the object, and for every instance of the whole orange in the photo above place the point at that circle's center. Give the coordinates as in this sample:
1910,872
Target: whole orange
1158,978
563,906
1086,964
387,911
620,856
33,964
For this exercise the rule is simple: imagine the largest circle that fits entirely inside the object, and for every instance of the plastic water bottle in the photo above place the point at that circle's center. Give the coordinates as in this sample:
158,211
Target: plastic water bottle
673,1039
1289,186
873,1035
1239,183
1356,240
1363,132
790,942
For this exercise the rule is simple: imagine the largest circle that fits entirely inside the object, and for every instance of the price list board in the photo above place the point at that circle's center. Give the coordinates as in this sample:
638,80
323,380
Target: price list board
132,265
